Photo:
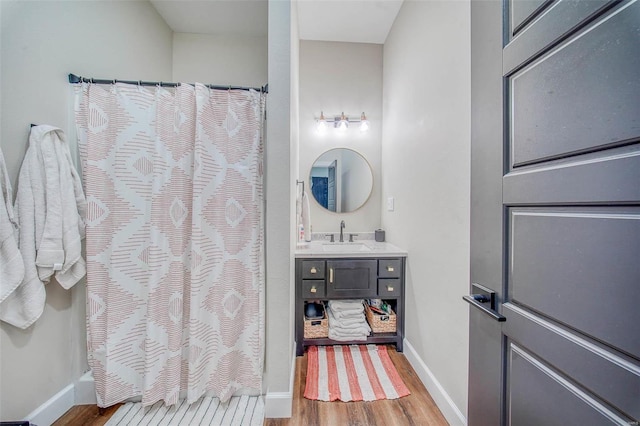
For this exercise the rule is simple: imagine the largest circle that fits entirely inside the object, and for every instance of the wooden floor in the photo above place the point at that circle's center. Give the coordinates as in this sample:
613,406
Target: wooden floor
86,415
415,409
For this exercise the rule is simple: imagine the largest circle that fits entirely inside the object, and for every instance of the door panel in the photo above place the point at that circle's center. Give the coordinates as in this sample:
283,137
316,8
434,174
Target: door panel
612,377
578,266
332,196
559,19
582,95
524,11
539,395
555,212
596,178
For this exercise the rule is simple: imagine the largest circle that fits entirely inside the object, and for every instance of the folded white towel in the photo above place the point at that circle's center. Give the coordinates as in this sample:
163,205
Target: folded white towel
357,327
352,331
346,321
348,314
345,338
346,305
11,262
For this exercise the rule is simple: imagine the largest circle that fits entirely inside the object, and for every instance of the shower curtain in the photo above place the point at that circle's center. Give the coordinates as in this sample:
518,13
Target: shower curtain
174,240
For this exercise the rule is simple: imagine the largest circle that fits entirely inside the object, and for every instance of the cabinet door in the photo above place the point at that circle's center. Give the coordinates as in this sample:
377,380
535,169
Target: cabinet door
350,278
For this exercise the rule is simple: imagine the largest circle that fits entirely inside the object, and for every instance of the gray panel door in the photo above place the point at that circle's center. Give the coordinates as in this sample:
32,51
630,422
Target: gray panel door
555,213
331,188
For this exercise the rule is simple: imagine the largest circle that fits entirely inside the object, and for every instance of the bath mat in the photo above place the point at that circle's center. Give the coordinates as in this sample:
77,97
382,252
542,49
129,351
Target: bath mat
352,373
239,410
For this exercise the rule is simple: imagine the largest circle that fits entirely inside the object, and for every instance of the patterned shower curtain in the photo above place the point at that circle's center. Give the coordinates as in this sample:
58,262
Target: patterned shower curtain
174,240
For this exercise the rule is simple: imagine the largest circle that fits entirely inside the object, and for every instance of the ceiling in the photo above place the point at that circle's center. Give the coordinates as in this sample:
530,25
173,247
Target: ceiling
361,21
358,21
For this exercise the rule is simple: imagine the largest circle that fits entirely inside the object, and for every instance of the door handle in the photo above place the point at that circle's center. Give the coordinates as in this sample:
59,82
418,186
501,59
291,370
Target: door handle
482,298
483,295
330,275
475,301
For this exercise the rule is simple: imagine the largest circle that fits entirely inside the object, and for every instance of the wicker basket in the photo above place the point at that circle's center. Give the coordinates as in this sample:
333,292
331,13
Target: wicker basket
380,323
316,328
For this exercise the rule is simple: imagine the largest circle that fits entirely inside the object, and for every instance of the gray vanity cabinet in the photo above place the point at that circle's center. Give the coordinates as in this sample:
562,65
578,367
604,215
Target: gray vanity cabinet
323,279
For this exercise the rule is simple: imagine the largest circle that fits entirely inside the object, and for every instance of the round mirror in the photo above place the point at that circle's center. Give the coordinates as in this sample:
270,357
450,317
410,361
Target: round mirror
341,180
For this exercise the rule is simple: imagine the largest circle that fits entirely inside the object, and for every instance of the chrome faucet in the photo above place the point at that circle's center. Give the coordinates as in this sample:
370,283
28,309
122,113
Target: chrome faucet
341,234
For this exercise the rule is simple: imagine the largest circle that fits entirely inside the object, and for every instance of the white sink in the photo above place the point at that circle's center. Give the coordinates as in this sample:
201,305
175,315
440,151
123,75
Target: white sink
344,247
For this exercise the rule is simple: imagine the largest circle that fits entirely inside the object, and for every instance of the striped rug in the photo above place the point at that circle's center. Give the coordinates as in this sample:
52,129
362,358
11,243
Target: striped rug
352,373
239,410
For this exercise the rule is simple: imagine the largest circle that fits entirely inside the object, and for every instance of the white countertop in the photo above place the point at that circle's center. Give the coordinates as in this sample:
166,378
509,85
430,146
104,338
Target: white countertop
360,249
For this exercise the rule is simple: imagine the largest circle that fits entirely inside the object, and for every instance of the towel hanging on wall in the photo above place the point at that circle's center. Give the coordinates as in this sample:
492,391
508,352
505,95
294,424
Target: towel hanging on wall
306,216
11,263
50,209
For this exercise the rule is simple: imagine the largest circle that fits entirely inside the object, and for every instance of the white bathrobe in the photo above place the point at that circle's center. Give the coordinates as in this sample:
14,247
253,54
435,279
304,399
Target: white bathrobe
50,208
11,262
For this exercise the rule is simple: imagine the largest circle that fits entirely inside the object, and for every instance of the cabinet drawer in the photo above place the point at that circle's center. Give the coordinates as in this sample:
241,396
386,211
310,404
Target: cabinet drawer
313,269
389,268
388,287
312,289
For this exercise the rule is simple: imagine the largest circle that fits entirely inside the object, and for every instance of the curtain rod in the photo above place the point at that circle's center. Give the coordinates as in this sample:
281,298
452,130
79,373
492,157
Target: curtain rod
76,79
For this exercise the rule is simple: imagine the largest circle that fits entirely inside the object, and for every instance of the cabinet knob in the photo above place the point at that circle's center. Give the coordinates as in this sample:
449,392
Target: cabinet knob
313,290
389,288
390,268
313,270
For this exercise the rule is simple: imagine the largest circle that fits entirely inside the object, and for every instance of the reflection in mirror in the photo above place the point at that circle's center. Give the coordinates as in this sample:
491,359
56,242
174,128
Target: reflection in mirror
341,180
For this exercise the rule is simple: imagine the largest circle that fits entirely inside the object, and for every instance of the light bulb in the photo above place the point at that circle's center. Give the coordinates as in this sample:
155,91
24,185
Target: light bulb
321,124
364,123
343,124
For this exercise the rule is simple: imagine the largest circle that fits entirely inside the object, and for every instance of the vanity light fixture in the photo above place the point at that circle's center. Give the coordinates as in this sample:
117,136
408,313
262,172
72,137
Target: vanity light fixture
341,122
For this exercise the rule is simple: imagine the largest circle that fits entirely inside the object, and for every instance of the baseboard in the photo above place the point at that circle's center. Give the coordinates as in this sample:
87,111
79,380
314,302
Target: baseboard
442,399
55,407
279,405
85,390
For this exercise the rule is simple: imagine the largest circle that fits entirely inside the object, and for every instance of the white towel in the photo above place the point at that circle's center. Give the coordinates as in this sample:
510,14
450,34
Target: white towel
74,208
347,305
345,330
306,216
11,262
50,209
333,335
25,305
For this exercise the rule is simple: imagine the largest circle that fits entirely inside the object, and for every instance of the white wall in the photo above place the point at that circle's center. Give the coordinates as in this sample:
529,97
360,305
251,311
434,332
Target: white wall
334,78
426,167
280,190
220,60
41,43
